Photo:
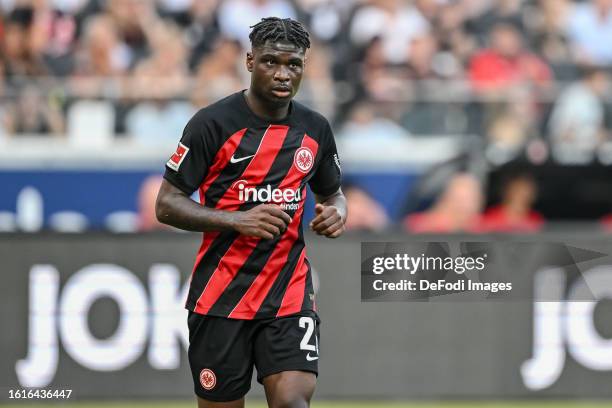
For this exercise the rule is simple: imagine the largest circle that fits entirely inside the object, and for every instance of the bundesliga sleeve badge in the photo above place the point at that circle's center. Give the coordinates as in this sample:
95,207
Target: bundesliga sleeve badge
177,158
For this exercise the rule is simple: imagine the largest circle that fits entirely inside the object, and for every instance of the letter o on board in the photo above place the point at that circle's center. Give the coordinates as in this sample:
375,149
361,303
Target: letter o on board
127,343
585,344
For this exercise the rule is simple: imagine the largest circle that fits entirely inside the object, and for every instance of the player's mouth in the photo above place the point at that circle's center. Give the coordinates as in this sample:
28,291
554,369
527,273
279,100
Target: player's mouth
281,91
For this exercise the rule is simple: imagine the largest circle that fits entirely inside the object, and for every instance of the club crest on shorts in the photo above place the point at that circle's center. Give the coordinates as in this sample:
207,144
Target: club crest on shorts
303,159
208,379
177,158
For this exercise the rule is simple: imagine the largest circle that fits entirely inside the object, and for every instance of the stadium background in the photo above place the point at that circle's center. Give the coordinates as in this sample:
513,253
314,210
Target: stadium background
451,116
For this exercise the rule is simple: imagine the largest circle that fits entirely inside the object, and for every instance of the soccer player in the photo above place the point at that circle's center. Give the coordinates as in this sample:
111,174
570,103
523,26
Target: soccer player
251,300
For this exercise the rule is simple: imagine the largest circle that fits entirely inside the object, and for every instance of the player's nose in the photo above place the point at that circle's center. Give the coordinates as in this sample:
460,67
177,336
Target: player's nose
282,74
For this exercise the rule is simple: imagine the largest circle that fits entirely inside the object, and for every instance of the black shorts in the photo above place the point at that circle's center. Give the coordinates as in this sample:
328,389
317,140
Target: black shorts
222,351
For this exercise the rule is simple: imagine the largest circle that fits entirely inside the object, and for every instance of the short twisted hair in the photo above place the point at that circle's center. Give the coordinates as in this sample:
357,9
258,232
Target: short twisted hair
275,29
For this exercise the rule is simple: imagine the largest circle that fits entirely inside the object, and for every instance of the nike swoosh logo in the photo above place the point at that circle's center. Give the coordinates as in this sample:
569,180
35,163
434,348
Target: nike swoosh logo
234,160
309,358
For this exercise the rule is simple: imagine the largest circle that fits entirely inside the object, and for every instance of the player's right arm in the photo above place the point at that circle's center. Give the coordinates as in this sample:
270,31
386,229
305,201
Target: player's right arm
175,208
185,173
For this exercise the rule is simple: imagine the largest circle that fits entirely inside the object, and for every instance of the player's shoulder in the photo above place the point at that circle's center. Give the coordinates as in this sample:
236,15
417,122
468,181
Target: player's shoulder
219,110
305,113
311,119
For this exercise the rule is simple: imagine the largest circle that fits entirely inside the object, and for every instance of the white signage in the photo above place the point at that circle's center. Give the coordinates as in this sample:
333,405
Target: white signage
60,317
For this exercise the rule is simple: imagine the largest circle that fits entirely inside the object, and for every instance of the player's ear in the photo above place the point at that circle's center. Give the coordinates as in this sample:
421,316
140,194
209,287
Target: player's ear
250,61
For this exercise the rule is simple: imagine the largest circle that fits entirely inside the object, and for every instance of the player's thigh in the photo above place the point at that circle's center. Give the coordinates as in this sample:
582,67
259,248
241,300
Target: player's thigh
220,357
290,389
202,403
287,355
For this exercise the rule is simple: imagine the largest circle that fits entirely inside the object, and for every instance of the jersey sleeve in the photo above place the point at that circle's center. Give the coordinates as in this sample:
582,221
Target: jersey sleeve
328,175
188,165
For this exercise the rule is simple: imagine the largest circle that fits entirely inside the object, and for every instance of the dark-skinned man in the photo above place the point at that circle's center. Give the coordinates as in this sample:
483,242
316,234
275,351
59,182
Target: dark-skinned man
251,300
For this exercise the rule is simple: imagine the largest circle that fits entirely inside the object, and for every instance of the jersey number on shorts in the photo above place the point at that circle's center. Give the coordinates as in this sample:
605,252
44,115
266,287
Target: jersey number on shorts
309,324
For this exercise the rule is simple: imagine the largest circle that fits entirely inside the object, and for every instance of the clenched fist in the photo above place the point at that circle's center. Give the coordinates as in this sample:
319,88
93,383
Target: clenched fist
328,221
265,221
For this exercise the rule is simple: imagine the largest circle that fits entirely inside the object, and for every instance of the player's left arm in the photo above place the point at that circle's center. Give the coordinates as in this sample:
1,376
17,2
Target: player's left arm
331,209
330,215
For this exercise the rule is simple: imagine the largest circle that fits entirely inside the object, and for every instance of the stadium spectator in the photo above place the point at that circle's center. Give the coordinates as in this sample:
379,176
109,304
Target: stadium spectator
507,71
101,56
318,87
451,34
548,32
237,16
427,111
423,49
202,30
395,22
482,17
506,63
133,18
33,114
576,126
164,73
147,221
325,17
551,17
456,210
367,131
56,37
366,213
224,64
177,10
159,80
379,80
515,212
590,32
21,56
507,132
158,121
429,9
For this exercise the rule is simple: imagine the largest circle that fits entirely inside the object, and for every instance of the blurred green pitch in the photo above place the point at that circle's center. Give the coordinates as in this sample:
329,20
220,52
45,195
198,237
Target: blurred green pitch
367,404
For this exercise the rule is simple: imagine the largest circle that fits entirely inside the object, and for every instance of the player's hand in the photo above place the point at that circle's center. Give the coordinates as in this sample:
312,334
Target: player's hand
265,221
327,221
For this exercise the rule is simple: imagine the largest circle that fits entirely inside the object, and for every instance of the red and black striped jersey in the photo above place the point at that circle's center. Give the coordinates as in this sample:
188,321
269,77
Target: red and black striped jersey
237,160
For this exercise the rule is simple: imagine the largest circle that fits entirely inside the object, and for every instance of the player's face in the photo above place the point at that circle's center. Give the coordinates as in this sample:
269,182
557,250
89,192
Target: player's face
276,70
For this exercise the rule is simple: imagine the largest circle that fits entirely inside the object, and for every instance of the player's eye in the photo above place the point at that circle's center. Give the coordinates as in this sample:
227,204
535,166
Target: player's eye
269,62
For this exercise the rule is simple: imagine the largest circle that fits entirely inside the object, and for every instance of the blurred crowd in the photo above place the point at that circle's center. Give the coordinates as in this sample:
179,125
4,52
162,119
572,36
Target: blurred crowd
509,70
528,77
459,207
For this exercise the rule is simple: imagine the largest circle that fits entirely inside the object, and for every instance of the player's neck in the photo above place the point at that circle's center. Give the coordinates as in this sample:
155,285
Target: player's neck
264,109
